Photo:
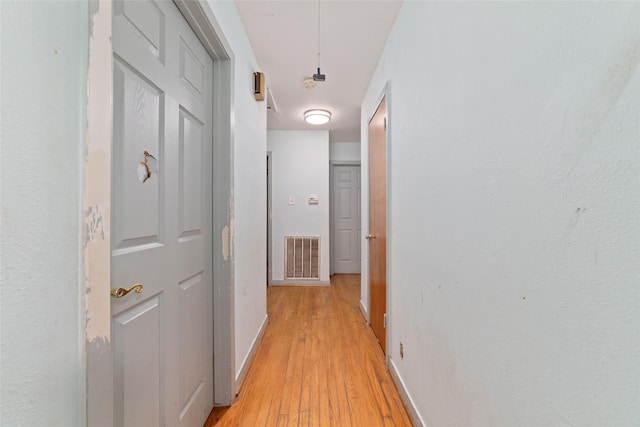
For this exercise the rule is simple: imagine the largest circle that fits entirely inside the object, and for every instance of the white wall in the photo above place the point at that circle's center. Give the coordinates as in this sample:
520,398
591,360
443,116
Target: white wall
514,211
344,151
249,232
300,164
43,69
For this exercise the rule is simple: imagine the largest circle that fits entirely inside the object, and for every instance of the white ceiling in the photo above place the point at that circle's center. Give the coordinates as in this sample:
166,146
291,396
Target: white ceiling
284,37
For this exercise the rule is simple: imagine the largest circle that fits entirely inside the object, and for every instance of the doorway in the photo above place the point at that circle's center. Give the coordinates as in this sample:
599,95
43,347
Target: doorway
345,217
377,236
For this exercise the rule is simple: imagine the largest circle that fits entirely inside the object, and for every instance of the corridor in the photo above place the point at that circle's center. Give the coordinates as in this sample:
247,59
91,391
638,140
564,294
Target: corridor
319,364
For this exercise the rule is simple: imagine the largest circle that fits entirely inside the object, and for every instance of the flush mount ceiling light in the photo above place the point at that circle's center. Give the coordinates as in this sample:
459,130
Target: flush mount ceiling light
317,117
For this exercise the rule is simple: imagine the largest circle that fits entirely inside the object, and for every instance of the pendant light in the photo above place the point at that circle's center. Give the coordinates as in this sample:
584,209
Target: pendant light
319,77
318,116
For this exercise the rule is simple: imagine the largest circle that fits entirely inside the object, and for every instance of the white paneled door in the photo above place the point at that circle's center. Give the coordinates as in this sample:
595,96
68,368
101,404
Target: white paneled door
162,337
346,219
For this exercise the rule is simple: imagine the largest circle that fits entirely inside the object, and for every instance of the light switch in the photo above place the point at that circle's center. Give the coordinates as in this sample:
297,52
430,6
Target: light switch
292,200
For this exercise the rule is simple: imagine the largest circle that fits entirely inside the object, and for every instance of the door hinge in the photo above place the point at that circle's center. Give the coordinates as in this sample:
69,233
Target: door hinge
386,320
385,123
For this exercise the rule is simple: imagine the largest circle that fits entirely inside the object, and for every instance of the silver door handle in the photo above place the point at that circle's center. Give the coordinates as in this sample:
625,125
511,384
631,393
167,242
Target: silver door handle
369,237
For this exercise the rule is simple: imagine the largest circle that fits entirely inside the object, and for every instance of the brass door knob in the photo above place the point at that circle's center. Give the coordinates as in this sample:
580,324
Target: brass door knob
121,292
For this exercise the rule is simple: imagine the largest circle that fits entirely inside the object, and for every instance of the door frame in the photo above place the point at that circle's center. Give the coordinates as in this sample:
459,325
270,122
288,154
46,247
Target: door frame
269,218
96,204
384,94
332,165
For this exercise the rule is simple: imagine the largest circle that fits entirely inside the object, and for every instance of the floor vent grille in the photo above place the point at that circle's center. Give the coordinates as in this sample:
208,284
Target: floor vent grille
302,258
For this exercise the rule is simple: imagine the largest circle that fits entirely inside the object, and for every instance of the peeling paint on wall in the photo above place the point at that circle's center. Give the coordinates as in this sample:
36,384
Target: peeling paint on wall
225,243
94,9
232,232
96,203
93,221
97,170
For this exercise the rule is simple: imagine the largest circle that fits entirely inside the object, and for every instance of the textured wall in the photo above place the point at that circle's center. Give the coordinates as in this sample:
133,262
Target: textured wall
44,49
515,211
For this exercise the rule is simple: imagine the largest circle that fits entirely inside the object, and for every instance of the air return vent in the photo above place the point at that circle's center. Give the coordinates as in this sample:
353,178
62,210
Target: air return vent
302,258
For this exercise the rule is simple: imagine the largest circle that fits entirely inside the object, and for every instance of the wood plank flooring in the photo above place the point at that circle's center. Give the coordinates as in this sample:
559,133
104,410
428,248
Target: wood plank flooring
318,364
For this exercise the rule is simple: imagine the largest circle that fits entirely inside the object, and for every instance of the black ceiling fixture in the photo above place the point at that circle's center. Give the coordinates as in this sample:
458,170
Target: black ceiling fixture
319,77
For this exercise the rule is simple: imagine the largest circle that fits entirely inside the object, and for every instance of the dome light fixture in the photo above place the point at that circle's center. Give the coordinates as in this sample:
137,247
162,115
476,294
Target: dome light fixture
317,117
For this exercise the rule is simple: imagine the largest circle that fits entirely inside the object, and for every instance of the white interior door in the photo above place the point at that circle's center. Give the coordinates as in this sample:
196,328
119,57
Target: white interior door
162,338
346,219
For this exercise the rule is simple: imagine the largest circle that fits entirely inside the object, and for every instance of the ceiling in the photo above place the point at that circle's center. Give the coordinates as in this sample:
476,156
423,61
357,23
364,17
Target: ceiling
284,37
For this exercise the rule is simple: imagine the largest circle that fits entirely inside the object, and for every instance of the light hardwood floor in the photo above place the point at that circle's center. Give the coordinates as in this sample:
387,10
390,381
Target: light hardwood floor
318,364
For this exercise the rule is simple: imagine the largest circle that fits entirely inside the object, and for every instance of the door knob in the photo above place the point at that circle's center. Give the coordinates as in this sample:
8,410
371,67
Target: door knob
120,292
369,236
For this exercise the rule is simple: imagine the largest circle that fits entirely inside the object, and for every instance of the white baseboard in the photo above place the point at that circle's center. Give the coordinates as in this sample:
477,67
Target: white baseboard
246,364
404,395
364,311
300,283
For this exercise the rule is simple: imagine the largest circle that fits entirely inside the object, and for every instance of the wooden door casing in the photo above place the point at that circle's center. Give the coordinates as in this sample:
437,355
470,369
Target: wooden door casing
378,223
